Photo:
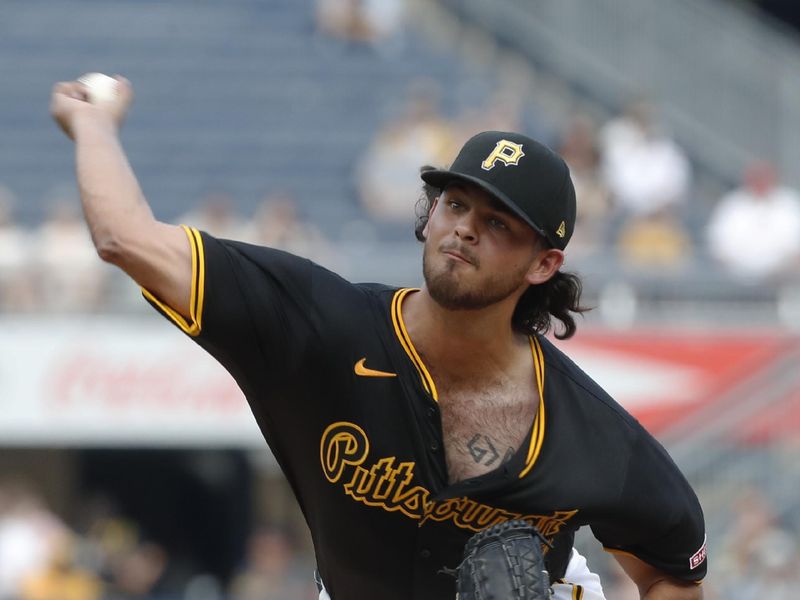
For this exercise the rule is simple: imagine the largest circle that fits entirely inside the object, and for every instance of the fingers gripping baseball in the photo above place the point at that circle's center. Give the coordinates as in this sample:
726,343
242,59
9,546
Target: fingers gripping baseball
71,100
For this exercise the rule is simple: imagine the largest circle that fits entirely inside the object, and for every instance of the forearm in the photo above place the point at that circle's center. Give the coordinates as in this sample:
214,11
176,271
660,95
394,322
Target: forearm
155,255
654,584
111,196
670,590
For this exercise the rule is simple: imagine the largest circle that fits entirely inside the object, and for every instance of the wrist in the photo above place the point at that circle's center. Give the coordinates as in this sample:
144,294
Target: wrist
91,121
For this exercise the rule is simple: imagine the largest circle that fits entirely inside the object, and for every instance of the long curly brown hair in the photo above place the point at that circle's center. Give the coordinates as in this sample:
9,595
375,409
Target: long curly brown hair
558,298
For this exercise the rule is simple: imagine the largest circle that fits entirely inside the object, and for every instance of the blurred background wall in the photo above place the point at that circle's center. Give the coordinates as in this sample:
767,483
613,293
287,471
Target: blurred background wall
130,466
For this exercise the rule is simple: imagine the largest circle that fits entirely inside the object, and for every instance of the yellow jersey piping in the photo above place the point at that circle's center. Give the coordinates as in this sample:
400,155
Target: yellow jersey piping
408,346
194,324
537,434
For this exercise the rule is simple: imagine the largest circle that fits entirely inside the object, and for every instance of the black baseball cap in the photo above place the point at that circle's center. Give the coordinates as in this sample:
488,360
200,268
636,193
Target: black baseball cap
526,176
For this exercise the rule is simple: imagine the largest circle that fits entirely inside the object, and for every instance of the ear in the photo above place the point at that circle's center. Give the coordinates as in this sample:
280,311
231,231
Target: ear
433,205
430,212
545,265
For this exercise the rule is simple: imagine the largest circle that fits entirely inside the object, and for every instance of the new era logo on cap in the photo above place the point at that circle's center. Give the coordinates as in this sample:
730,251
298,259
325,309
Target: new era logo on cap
529,178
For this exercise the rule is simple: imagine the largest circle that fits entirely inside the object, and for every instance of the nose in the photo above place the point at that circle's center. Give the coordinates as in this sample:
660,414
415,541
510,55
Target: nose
465,229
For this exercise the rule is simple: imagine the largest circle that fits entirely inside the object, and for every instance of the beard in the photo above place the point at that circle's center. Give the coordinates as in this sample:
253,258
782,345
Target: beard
450,290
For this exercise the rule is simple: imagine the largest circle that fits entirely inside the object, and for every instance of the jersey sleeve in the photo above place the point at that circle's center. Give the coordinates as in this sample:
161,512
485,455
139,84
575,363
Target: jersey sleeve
658,517
262,313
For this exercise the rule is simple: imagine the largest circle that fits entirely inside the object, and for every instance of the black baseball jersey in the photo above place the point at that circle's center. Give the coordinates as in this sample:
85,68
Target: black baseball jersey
350,412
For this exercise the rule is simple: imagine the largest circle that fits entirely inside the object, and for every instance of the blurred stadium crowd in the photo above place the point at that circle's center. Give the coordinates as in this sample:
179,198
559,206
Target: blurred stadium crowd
105,556
636,206
641,210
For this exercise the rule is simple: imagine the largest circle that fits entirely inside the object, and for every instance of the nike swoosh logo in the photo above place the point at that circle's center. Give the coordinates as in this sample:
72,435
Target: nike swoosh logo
363,371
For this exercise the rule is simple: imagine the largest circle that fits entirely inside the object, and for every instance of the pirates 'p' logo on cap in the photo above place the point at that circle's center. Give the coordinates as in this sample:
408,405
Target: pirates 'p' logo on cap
562,230
506,152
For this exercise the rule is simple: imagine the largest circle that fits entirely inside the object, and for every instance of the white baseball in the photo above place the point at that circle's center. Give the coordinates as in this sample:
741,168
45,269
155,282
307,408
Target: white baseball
99,87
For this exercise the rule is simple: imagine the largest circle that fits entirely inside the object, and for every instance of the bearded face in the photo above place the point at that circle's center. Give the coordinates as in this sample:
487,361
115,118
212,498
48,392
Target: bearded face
458,279
477,252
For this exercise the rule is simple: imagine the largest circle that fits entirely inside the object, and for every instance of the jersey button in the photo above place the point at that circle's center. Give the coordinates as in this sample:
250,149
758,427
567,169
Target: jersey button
431,412
425,553
434,446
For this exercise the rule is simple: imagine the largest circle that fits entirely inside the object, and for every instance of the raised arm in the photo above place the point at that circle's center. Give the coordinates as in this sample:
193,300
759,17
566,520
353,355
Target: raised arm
123,228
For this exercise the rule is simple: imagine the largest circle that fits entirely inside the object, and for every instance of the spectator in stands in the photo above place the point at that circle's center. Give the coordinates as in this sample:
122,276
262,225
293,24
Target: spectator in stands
271,571
754,230
276,224
216,214
657,240
646,171
388,172
105,535
759,557
61,578
341,19
131,567
502,111
579,148
16,274
68,275
29,536
375,23
139,573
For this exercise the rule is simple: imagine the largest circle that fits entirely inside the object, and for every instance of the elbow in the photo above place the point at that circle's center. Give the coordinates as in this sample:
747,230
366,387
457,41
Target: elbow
109,249
122,246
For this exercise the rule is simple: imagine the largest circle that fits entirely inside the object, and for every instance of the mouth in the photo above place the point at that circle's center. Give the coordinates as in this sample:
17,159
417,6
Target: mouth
457,256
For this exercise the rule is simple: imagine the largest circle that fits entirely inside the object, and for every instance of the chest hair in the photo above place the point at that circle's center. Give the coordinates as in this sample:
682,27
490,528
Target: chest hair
484,422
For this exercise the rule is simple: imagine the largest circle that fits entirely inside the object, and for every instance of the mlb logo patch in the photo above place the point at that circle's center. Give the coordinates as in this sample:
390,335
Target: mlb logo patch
698,557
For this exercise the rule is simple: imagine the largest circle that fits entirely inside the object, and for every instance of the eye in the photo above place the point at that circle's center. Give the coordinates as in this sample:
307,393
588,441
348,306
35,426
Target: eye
497,224
454,204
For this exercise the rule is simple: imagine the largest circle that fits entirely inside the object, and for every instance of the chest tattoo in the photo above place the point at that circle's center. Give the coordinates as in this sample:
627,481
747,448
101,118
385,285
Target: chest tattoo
485,452
484,427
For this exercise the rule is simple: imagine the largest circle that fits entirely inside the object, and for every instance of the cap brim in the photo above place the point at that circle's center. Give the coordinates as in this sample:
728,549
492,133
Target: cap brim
441,179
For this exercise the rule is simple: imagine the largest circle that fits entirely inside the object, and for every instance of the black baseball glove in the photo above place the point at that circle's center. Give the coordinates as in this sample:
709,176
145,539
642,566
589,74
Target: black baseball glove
504,562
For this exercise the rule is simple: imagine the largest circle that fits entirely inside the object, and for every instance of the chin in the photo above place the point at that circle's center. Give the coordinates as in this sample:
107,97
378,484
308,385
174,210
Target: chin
455,290
450,291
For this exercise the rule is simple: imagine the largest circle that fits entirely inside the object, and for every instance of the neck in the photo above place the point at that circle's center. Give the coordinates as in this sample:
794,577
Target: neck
462,337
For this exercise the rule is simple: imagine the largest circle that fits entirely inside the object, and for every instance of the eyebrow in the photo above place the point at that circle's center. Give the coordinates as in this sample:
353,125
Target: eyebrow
493,202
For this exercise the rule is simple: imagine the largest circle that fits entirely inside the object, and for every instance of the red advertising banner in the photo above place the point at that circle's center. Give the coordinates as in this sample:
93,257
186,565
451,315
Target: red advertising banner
119,380
667,377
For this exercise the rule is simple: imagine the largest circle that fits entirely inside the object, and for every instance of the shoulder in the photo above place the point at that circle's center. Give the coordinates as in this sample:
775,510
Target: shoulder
270,274
268,258
272,263
574,387
263,256
562,368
